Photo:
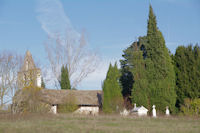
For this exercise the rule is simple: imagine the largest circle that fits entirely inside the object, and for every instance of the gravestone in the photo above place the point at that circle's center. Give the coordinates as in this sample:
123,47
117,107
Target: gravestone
167,111
154,111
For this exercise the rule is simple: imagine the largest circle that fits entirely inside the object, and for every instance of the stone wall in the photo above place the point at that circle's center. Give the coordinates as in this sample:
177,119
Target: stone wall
88,110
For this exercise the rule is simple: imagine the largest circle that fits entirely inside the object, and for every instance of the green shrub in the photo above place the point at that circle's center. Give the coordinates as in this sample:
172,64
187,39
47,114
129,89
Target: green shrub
69,105
31,102
67,108
27,100
191,107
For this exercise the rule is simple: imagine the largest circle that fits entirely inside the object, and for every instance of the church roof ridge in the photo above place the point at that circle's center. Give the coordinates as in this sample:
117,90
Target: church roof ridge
28,62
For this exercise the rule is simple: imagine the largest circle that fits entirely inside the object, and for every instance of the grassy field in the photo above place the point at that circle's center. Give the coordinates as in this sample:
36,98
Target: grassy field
99,124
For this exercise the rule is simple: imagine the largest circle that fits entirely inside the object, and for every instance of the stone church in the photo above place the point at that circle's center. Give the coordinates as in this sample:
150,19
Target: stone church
88,101
29,73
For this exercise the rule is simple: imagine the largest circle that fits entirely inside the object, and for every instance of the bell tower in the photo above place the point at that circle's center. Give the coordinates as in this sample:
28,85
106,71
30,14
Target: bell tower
29,73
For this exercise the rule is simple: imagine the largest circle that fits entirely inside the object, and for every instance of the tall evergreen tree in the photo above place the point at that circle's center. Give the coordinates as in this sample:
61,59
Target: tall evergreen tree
187,68
42,83
159,68
112,97
149,62
65,82
126,78
140,86
133,77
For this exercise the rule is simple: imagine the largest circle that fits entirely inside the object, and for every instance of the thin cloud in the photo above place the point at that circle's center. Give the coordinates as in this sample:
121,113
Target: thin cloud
54,20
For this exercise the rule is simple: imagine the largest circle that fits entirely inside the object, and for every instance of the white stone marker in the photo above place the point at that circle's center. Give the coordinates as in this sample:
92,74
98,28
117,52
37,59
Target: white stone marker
154,111
167,111
54,109
135,105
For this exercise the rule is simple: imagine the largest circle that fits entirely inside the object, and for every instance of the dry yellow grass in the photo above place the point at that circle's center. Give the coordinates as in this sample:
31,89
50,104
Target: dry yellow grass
36,123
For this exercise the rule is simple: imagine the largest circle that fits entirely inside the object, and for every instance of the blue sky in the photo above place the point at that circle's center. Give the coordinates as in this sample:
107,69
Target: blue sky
110,26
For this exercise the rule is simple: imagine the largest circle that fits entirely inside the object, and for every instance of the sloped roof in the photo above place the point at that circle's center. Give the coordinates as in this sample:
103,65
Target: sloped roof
31,64
82,97
137,109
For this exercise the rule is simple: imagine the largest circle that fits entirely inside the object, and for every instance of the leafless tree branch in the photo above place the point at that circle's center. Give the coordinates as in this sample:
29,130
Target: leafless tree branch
79,60
9,66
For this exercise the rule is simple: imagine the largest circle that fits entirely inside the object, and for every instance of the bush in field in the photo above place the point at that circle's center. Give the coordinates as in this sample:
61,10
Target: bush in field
32,101
27,100
67,108
69,105
191,107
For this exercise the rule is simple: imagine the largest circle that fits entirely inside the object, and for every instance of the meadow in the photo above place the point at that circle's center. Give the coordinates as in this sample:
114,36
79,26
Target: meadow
62,123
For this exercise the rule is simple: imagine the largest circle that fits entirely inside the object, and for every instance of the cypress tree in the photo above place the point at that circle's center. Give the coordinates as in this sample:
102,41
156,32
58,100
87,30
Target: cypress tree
112,97
106,92
139,91
187,68
65,82
116,84
62,78
126,78
159,68
133,77
67,78
43,84
151,68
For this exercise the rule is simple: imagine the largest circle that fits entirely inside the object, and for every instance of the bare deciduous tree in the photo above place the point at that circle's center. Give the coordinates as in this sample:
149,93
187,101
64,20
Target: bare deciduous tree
9,66
74,53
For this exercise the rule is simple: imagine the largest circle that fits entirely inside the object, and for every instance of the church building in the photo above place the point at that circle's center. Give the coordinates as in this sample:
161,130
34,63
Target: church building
29,73
87,101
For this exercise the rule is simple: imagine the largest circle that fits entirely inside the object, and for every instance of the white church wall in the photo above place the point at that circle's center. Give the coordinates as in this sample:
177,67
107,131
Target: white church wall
53,109
39,80
87,110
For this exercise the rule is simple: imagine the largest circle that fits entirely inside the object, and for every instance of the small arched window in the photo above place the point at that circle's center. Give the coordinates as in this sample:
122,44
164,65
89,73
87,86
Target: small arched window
27,65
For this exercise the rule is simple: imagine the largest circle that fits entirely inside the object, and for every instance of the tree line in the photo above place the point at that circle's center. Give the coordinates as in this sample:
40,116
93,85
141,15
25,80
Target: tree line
151,75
